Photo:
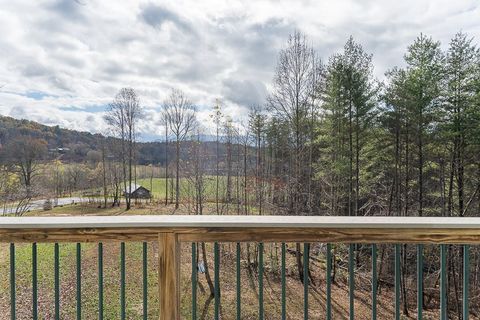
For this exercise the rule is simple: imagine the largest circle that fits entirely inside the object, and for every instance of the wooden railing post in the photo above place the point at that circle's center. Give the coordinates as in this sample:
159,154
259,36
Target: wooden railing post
168,277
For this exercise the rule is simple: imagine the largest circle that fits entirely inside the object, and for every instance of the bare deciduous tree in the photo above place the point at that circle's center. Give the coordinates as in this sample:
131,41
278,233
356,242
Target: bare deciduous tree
291,101
24,154
123,115
180,115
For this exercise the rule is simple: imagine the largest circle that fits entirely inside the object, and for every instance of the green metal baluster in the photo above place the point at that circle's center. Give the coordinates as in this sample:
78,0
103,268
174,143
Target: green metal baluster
34,283
239,286
79,281
122,281
306,255
216,257
145,280
100,281
419,282
260,281
466,278
443,282
397,282
194,281
284,284
351,280
12,282
329,281
374,281
57,280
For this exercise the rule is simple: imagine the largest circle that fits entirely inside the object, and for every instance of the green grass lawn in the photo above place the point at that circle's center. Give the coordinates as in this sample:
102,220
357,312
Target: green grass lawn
158,185
23,263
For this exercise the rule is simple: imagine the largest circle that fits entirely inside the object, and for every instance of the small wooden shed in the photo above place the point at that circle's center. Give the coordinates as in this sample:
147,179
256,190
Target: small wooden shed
138,192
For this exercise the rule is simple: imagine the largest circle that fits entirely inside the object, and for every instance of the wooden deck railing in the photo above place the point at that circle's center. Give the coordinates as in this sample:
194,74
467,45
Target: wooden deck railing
170,230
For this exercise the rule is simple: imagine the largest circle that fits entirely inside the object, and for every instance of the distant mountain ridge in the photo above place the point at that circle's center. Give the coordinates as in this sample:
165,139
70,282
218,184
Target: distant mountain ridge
76,145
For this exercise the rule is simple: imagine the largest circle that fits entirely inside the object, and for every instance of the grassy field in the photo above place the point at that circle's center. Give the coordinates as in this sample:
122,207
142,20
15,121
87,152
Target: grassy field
158,185
249,283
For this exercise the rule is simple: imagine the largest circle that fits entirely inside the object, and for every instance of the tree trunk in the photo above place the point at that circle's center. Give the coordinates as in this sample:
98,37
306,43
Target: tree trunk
177,175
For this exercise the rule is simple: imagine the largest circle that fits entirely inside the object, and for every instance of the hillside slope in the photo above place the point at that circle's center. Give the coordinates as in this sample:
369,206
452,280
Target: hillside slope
79,144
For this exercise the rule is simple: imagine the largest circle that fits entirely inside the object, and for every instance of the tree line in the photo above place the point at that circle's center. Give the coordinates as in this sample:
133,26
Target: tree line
345,143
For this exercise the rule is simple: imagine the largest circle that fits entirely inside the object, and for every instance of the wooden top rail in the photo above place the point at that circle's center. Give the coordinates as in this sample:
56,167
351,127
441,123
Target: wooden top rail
242,228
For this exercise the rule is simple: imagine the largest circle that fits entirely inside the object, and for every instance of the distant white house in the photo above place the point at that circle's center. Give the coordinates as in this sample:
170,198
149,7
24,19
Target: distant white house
136,191
60,150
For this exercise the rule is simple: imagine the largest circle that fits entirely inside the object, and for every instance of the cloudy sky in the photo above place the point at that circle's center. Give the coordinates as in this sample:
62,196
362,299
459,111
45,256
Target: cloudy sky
62,61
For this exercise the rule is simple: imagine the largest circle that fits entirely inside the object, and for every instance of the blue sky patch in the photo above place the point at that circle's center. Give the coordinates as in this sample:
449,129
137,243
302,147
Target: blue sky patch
92,108
37,95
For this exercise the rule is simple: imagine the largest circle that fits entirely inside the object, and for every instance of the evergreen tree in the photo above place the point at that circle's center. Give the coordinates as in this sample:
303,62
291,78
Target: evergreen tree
424,72
461,62
350,97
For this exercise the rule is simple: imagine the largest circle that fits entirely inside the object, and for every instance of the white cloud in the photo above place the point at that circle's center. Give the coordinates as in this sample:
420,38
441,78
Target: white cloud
62,60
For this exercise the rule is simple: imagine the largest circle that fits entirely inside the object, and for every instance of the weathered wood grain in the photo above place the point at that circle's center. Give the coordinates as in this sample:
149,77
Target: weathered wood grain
80,234
335,235
168,276
235,234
